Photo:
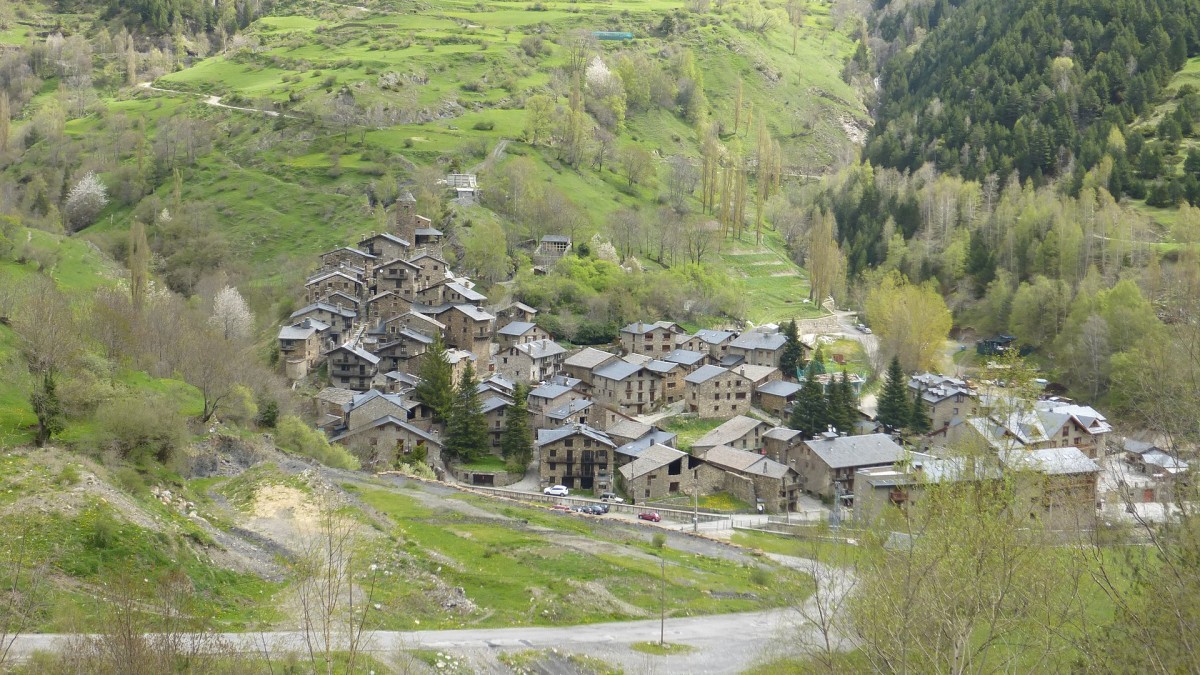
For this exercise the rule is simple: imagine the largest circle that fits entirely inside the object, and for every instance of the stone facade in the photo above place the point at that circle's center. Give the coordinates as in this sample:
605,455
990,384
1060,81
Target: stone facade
717,394
577,457
651,339
630,389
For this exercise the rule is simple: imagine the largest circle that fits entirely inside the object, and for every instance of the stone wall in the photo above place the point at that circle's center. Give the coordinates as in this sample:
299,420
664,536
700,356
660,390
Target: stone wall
824,324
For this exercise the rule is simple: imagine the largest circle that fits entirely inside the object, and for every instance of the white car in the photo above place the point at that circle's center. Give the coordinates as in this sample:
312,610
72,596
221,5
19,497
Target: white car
611,497
557,491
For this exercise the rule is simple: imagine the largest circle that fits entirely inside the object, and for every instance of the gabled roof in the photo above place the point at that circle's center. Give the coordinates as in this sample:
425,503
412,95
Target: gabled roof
637,359
754,373
474,312
366,397
661,367
425,254
407,379
564,411
782,434
453,356
344,294
390,420
685,357
398,261
779,388
336,395
729,432
516,328
741,461
758,340
383,294
351,249
357,351
321,306
635,447
618,370
556,239
588,358
493,403
713,337
500,383
704,374
1050,461
523,307
1165,462
1139,447
301,331
549,391
409,335
545,436
336,273
629,428
428,231
849,451
541,349
641,327
651,459
385,235
467,293
1054,414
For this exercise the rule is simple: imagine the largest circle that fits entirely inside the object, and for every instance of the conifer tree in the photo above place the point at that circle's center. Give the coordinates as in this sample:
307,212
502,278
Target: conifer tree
810,415
840,399
436,389
466,429
516,443
894,409
793,351
919,422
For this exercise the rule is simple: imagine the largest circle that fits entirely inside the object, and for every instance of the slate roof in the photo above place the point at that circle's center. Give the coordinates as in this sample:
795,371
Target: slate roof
741,461
618,370
403,378
357,351
661,367
782,433
545,436
850,451
540,349
362,399
389,419
758,340
779,388
332,309
729,432
493,403
588,358
469,294
1051,461
754,373
385,235
325,275
704,374
636,447
428,232
516,328
523,307
336,395
713,337
1054,414
562,412
641,327
685,357
556,239
474,312
652,458
301,331
629,429
549,391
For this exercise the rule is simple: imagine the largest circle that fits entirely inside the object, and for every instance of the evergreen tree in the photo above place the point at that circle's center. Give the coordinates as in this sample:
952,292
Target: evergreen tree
436,389
810,415
919,422
516,443
48,410
893,402
466,429
793,351
840,402
817,365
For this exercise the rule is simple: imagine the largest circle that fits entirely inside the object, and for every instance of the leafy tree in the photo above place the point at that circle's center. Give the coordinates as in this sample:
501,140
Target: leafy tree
466,430
894,410
516,443
810,414
231,315
436,389
48,410
85,201
793,351
911,321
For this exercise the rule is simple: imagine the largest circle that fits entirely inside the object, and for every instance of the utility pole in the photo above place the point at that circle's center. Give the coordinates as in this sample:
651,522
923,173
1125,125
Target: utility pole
662,603
695,505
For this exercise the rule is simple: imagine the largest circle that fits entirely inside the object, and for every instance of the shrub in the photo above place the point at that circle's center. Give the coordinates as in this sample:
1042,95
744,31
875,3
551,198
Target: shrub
105,530
484,125
69,475
128,479
759,576
293,435
142,428
240,407
658,541
268,414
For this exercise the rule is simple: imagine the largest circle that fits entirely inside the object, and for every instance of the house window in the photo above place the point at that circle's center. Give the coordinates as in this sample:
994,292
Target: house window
647,493
674,487
553,453
570,443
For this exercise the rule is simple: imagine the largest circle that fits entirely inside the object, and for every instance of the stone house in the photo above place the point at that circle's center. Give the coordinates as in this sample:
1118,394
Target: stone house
383,443
712,391
371,405
519,332
530,361
405,222
340,299
400,382
1057,485
759,348
518,311
387,304
352,367
340,321
325,283
301,346
581,363
670,379
827,465
576,456
467,327
660,472
449,292
740,433
385,246
494,409
549,396
782,445
777,396
349,257
414,321
399,276
576,411
329,406
551,248
402,350
627,387
946,399
758,375
1074,425
458,360
431,270
652,339
714,343
425,236
690,360
755,479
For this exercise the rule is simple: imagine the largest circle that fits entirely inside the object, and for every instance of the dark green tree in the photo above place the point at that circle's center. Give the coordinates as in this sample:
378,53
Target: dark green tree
810,414
516,443
841,403
466,429
816,366
919,422
894,410
793,351
48,410
436,389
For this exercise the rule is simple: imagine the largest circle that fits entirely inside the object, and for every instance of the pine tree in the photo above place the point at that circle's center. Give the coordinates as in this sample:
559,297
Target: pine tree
810,414
466,430
918,422
793,351
893,402
48,410
436,389
516,443
817,365
842,412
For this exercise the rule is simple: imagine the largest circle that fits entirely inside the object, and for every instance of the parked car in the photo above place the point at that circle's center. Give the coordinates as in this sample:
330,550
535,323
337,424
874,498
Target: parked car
650,515
600,508
583,509
611,497
866,330
557,491
560,507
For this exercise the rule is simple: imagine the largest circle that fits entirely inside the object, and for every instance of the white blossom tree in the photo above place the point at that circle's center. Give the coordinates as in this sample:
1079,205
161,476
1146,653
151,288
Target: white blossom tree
231,315
85,201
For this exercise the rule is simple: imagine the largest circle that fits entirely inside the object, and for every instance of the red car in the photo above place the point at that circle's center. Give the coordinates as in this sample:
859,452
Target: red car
650,515
561,507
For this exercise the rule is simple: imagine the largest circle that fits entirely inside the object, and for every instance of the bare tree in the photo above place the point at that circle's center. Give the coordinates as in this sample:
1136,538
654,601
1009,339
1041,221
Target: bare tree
682,178
21,597
698,238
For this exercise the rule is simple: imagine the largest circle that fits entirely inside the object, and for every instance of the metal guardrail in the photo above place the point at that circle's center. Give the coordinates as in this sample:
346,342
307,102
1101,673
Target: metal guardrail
677,515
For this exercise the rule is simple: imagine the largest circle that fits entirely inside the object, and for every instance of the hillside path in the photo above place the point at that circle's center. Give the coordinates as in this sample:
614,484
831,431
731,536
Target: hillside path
214,101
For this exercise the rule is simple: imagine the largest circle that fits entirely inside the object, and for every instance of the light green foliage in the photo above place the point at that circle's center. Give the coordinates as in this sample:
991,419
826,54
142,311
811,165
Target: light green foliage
293,435
142,427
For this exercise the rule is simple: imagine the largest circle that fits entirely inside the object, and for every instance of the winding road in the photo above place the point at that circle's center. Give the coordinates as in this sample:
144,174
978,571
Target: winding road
214,101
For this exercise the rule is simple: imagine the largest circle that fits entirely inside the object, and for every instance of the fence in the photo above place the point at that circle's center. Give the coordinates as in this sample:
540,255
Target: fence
677,515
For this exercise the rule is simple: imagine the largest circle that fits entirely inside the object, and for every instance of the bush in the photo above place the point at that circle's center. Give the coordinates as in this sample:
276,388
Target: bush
658,541
293,435
105,530
759,576
268,414
69,475
141,428
128,479
240,407
484,125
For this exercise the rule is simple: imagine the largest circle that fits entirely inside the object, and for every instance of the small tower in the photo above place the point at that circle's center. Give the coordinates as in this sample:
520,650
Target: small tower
406,217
